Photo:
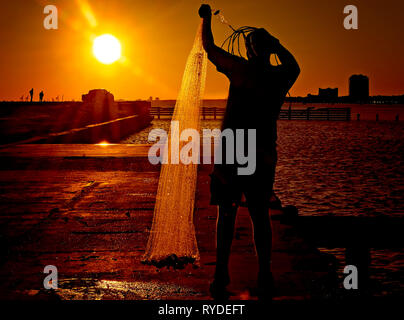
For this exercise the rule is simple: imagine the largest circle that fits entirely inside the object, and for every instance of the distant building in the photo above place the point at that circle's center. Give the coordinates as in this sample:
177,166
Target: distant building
359,88
328,94
99,105
98,96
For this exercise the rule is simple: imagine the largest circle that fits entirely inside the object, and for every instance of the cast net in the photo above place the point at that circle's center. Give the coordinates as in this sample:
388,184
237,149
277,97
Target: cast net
172,240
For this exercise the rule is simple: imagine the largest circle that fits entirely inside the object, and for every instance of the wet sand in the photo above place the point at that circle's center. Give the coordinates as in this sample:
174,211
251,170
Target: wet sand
87,209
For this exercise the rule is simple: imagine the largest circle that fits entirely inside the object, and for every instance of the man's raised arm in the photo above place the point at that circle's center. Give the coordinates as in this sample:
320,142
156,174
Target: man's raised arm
289,63
219,57
205,12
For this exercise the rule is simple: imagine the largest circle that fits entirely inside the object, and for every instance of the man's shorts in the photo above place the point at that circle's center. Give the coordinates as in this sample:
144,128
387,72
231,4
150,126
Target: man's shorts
227,187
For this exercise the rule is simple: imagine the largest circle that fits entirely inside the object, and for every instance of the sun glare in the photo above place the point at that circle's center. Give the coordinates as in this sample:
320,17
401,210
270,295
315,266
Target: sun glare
103,143
107,49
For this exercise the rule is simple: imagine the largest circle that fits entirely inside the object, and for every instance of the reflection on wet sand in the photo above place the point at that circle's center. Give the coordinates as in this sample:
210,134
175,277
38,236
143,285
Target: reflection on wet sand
90,289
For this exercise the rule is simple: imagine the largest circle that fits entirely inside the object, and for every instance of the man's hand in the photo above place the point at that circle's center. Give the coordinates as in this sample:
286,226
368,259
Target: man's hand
205,11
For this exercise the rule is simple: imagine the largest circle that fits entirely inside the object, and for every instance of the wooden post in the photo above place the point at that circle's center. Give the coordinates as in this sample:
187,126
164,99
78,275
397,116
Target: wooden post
377,117
290,113
328,114
158,112
308,113
358,117
214,113
203,113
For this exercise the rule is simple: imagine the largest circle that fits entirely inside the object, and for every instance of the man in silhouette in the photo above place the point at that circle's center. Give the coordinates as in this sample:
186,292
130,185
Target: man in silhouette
41,96
31,93
257,92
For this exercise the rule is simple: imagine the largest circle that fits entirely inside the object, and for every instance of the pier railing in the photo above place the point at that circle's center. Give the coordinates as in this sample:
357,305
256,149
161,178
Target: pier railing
310,113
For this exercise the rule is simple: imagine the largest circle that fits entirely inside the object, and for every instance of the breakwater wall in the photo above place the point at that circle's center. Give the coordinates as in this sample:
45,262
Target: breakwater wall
72,122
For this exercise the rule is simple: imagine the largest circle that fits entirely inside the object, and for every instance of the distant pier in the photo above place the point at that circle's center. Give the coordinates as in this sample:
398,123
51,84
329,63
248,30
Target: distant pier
309,113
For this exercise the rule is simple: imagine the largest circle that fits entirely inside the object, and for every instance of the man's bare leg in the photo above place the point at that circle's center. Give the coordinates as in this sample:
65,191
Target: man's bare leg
224,236
263,245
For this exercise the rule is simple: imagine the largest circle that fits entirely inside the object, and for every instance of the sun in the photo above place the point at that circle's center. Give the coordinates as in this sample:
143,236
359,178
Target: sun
107,49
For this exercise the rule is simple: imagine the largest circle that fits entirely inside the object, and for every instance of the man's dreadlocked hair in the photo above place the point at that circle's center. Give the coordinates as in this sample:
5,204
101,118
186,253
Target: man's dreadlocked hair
249,34
234,38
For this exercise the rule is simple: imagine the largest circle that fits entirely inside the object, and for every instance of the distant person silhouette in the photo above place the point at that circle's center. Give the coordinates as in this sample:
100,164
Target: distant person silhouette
41,96
31,93
257,92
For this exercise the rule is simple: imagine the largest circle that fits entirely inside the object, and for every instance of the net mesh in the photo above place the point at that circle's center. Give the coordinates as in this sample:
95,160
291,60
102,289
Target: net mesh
172,239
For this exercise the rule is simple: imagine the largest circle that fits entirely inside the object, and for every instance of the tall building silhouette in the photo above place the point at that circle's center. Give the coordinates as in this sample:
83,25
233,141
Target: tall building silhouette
359,88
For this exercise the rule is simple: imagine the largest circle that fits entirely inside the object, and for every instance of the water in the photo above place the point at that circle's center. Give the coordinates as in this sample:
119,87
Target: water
339,168
342,168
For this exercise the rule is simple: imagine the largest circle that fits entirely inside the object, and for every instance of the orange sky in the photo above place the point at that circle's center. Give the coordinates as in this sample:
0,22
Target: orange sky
157,35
